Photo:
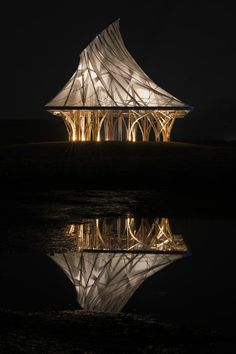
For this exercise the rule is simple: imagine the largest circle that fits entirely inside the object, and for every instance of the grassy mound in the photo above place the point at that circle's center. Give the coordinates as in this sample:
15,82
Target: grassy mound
166,166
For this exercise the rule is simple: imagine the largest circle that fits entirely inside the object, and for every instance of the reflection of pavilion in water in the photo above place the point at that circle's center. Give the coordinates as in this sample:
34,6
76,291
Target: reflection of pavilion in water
115,256
126,233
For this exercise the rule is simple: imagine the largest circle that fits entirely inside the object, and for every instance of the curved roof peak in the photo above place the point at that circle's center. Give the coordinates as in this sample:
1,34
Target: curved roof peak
108,76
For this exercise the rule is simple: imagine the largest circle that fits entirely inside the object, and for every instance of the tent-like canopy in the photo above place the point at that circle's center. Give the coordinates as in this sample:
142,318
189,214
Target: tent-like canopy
108,76
109,85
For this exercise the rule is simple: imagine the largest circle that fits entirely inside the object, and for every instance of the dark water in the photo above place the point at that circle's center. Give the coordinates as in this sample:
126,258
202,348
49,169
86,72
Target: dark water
102,251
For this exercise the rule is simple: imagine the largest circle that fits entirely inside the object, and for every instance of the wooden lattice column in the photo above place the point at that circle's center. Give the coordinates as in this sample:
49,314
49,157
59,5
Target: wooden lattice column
95,126
170,119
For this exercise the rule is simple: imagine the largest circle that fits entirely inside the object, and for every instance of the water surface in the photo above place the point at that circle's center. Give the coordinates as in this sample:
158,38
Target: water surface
114,256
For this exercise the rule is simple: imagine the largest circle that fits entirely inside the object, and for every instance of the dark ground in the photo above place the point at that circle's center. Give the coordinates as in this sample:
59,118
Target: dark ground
85,332
47,185
118,165
173,179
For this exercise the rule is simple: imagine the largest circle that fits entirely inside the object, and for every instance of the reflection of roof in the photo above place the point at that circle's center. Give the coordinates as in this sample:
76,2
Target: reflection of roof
106,281
108,76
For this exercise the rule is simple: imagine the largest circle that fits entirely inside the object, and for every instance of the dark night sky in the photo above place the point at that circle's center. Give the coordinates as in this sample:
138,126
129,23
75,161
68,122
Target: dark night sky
186,47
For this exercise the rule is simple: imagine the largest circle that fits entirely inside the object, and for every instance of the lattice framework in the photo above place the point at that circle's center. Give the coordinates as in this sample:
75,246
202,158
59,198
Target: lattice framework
109,97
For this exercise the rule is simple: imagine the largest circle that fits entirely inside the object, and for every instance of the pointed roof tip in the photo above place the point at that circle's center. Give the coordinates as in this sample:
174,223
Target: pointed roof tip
117,20
114,22
99,54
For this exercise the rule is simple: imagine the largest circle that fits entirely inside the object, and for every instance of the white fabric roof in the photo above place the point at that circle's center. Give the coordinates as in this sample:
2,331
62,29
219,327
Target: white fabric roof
106,281
108,76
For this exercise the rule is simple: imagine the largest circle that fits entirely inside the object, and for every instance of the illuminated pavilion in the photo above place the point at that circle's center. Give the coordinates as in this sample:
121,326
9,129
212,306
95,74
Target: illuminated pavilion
109,97
114,256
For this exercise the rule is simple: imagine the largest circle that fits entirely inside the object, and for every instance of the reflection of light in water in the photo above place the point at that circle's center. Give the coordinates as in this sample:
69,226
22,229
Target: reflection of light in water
116,255
106,281
126,233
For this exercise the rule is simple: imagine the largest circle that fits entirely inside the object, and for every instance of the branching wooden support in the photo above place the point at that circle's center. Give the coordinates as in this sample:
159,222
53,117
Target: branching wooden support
122,125
109,97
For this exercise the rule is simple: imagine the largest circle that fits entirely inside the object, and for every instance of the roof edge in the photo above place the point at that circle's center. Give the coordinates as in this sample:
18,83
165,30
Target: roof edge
117,108
116,21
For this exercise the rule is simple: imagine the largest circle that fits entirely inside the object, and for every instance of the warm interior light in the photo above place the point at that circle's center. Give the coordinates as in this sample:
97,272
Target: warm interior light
114,256
101,100
127,234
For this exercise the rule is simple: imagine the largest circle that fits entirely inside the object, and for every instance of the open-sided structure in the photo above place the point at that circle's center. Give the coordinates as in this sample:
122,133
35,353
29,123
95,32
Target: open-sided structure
106,272
109,97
